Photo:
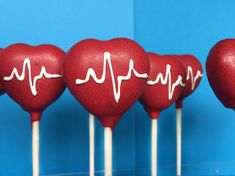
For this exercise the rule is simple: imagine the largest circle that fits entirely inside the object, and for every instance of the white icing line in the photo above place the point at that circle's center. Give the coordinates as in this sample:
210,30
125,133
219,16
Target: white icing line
167,79
107,61
193,79
32,81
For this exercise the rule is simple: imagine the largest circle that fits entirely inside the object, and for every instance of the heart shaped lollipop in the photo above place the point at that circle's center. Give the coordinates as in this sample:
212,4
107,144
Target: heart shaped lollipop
194,74
220,67
32,76
106,77
165,83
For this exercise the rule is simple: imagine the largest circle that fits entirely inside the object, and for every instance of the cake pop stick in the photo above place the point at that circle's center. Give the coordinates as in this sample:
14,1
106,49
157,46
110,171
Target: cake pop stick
35,147
106,77
92,144
194,73
154,139
164,86
108,160
32,77
178,141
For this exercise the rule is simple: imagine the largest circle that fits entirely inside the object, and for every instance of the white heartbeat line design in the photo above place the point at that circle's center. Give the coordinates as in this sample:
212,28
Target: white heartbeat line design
32,81
193,79
167,79
116,90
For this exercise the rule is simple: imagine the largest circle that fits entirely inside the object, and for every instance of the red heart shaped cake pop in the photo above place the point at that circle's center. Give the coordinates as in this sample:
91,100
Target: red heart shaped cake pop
106,77
1,88
32,76
220,67
194,74
165,83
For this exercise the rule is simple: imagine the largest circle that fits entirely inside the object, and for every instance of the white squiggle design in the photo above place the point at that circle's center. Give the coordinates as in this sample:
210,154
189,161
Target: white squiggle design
167,79
193,79
116,90
32,81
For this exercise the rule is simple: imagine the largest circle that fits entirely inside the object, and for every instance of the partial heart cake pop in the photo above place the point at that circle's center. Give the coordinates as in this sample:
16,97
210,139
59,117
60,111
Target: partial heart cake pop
220,68
1,88
194,74
165,83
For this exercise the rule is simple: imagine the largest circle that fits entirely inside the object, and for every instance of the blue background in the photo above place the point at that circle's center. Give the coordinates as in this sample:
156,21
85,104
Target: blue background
189,26
163,26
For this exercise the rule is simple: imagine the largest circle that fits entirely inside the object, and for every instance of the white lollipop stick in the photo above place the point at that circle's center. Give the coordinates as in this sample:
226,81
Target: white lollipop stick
154,148
92,144
107,151
35,146
178,140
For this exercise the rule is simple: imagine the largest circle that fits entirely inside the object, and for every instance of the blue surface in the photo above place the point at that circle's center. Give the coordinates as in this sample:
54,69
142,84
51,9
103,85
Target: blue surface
169,26
163,26
64,125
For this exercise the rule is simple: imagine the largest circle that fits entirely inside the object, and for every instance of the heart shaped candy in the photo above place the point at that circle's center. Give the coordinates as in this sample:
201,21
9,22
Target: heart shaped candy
106,77
165,83
32,76
220,67
194,74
